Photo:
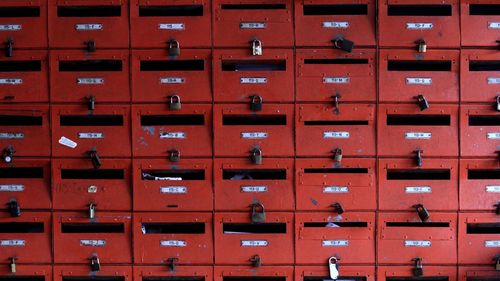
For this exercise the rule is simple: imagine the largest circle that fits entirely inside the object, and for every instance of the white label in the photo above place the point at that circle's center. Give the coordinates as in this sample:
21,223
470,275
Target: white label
336,80
493,136
417,243
335,243
418,136
93,243
493,188
418,81
11,81
253,189
173,189
172,80
494,25
335,24
493,80
335,189
11,187
254,243
336,135
419,25
10,27
253,80
88,26
252,25
171,26
254,135
91,135
67,142
11,136
418,189
173,243
12,243
172,135
89,81
492,244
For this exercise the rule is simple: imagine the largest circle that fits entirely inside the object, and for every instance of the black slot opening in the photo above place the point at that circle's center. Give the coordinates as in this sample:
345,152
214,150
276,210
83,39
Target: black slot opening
254,174
93,228
336,170
253,6
418,174
419,65
484,65
171,11
172,65
340,278
21,66
90,65
483,228
89,11
174,228
95,174
19,120
336,122
253,120
419,10
417,224
483,174
173,120
173,278
93,278
21,173
486,278
19,12
21,227
254,65
22,278
484,120
337,9
336,61
91,120
255,228
337,224
182,174
418,120
422,278
484,9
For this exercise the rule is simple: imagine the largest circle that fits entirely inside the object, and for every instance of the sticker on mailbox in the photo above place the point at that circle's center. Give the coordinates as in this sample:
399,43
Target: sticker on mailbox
93,243
11,136
173,243
67,142
171,26
172,80
90,135
253,80
253,189
336,24
419,25
493,188
417,243
418,136
336,135
494,25
11,187
10,27
492,244
418,189
336,80
493,80
252,25
335,243
254,243
12,243
173,189
254,135
90,81
335,189
11,81
493,136
418,81
172,135
88,26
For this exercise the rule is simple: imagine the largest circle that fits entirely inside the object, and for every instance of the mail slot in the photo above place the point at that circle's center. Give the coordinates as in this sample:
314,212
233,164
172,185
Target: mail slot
402,237
23,77
406,273
239,131
77,23
480,75
240,184
269,21
405,74
26,272
480,130
323,182
24,131
23,23
184,237
333,75
403,23
77,77
78,239
78,185
324,129
181,273
403,130
155,23
156,77
22,236
477,273
83,273
402,185
158,131
346,272
480,22
479,184
238,76
349,237
239,241
247,273
77,131
26,182
478,238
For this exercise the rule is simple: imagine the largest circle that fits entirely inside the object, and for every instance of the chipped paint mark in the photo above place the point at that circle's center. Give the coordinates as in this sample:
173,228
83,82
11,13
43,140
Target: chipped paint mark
149,130
314,201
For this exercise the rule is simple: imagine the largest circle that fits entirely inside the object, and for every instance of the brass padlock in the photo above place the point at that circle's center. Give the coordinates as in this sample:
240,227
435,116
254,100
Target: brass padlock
174,155
174,48
256,103
498,103
174,102
422,46
418,270
258,216
257,48
256,156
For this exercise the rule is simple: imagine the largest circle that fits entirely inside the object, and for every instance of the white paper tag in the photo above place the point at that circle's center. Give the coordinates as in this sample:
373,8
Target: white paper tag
336,135
88,26
90,81
418,81
67,142
254,243
418,189
419,25
493,136
12,243
11,81
494,25
254,135
417,243
172,135
11,187
493,80
173,243
11,136
252,25
253,189
10,27
173,189
335,243
172,80
93,243
336,80
418,136
91,135
336,24
492,244
171,26
493,188
335,189
253,80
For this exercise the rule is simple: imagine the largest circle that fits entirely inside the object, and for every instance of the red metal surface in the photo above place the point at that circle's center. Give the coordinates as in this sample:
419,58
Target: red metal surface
479,131
284,273
479,184
28,27
83,272
44,272
404,272
466,273
478,238
479,23
349,272
479,81
180,273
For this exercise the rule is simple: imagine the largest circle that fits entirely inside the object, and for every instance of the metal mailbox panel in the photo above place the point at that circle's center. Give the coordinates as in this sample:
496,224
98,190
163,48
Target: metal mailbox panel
238,130
404,129
155,23
76,185
323,74
163,236
471,273
238,75
157,130
317,23
403,237
347,272
26,181
76,76
270,273
25,129
478,238
480,22
321,129
402,23
238,241
320,183
72,23
83,273
480,75
479,130
402,185
76,130
349,237
156,77
160,185
479,184
27,272
270,21
24,22
239,184
394,273
405,74
149,273
77,238
21,237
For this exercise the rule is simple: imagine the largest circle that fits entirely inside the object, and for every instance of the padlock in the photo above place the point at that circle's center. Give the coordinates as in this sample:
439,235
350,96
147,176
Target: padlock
497,263
418,270
13,267
422,46
174,102
95,264
337,155
423,214
258,216
422,102
171,263
333,266
418,158
498,103
336,100
256,103
174,155
92,209
9,48
174,48
256,261
338,208
343,44
14,208
90,46
256,156
257,48
8,154
91,103
94,158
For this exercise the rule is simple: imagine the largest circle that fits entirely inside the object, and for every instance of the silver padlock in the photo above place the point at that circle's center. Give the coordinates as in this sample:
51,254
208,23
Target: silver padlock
256,156
257,48
498,103
13,267
174,48
337,155
422,46
175,102
333,266
92,207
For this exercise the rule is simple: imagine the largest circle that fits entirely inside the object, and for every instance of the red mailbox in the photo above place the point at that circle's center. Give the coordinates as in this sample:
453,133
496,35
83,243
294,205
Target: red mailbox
262,273
478,238
181,273
472,273
480,22
479,184
31,272
84,273
480,76
23,23
479,131
395,273
346,272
